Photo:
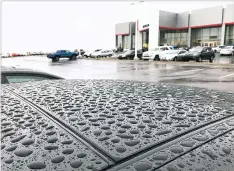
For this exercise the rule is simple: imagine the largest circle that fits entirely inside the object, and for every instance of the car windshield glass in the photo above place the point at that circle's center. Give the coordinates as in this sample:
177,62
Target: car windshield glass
128,52
154,49
227,47
173,52
196,49
25,78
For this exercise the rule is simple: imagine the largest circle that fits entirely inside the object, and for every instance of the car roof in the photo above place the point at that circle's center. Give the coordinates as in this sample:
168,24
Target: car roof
115,125
17,70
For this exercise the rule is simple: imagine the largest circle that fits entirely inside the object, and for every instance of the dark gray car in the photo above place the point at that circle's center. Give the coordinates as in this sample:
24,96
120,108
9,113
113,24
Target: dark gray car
198,53
68,125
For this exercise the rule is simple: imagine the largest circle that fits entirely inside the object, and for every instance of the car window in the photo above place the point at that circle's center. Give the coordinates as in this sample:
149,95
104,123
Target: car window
183,51
24,78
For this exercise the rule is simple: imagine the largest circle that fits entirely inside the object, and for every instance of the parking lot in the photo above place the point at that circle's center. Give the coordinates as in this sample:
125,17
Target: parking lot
218,75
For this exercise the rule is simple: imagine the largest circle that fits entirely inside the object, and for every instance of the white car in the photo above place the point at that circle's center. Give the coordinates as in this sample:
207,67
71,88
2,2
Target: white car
103,53
154,54
227,50
171,55
5,55
218,48
87,54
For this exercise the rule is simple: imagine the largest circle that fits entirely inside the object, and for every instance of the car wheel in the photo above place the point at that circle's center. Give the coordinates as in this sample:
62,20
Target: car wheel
175,59
232,53
215,51
211,59
56,58
156,58
98,56
199,59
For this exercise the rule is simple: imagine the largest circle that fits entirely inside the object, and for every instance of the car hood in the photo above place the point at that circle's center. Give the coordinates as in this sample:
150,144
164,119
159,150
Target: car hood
102,124
168,56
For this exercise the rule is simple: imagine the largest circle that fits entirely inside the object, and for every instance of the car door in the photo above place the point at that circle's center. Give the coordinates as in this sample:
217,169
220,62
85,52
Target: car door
204,53
62,53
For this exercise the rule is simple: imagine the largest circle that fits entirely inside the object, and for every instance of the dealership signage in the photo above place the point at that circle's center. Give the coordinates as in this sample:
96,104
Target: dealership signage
146,25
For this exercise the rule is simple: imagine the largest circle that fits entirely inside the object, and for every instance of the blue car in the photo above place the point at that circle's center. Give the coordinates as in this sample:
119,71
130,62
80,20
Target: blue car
62,54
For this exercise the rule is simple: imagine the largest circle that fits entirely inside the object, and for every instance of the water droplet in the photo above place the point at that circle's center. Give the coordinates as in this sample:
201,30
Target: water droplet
8,161
200,137
142,166
68,151
76,164
226,150
172,168
36,165
209,153
81,155
115,140
28,142
52,140
50,133
132,142
51,147
11,148
7,129
3,146
176,150
167,131
57,159
23,152
120,149
162,156
67,141
187,143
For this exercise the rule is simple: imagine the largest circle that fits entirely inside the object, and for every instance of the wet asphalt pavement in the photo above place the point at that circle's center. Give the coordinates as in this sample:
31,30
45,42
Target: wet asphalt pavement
219,75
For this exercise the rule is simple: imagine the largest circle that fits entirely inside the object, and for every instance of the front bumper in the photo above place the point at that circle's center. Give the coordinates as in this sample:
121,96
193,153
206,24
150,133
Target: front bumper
147,57
225,52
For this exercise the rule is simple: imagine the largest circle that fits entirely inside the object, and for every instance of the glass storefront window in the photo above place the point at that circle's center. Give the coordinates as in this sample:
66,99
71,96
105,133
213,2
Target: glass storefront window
229,35
174,38
206,36
125,42
133,41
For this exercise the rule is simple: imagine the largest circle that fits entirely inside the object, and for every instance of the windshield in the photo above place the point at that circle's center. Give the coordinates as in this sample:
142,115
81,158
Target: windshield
173,52
129,52
154,49
227,47
196,49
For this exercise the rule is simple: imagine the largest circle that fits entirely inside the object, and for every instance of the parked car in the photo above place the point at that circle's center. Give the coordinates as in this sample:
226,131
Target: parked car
154,54
5,55
171,55
95,53
79,52
87,54
197,53
115,125
62,54
10,75
227,50
130,54
103,53
218,48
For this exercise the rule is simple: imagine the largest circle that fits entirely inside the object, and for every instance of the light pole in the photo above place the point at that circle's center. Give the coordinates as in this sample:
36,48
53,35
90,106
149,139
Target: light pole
136,32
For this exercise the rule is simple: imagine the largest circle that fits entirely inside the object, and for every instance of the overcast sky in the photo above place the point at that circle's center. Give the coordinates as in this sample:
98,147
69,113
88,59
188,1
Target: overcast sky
48,26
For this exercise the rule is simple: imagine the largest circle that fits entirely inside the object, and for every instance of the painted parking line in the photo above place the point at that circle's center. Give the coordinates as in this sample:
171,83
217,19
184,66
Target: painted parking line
226,76
187,71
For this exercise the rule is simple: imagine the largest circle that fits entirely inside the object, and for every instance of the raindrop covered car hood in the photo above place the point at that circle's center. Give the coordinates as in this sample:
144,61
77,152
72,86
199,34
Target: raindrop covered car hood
113,125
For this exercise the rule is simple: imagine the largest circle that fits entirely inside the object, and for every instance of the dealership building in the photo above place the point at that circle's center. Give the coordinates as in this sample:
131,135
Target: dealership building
203,27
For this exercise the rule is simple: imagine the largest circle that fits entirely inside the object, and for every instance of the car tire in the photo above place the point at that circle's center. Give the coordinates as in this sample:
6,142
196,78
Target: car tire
232,53
156,58
175,59
55,59
215,51
211,59
98,56
73,57
199,59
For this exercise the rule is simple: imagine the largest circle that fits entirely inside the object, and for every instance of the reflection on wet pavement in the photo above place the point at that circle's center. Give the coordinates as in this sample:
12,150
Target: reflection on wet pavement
219,75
